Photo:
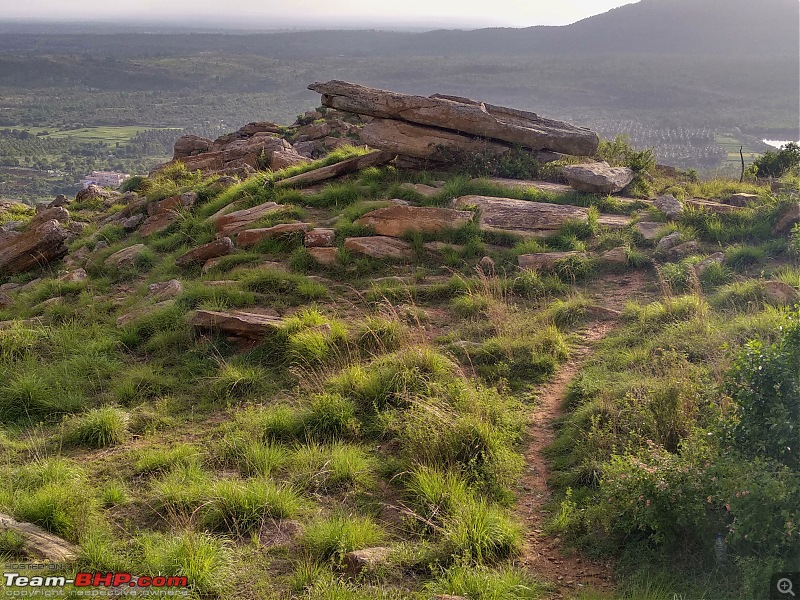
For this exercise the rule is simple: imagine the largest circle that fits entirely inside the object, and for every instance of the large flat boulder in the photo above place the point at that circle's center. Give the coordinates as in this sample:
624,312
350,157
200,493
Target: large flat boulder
240,220
545,261
425,142
35,247
460,114
380,246
526,217
397,220
250,237
237,323
597,177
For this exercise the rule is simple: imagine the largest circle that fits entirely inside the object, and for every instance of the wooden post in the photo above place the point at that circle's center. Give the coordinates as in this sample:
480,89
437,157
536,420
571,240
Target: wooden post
741,155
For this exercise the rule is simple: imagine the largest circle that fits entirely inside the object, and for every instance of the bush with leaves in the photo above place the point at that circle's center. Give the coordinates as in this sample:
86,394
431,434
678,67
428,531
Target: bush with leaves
777,164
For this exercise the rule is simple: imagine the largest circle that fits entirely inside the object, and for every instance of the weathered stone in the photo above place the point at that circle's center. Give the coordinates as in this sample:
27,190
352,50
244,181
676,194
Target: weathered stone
742,200
319,238
532,218
487,266
198,255
126,257
324,256
669,205
131,222
648,230
165,289
669,241
358,561
92,192
395,221
142,311
61,200
282,159
35,247
252,149
251,237
616,256
239,220
380,246
75,276
545,260
427,191
437,246
173,203
190,145
710,206
598,177
459,114
237,323
373,159
683,250
787,219
314,131
715,259
418,141
781,293
259,127
157,223
57,213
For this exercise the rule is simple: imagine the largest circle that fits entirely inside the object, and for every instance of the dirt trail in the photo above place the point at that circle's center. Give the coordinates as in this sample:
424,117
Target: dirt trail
542,552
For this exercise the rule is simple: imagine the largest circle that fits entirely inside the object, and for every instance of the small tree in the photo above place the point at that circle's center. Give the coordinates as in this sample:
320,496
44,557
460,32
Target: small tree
777,164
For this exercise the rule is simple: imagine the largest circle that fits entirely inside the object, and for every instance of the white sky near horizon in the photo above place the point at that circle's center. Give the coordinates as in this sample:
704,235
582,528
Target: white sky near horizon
297,13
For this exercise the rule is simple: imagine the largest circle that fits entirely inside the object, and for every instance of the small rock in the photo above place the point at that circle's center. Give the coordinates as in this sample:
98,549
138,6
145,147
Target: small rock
715,259
648,230
669,241
131,223
742,199
617,256
75,276
165,289
319,238
421,189
781,293
787,219
683,250
251,237
126,257
324,256
157,223
598,178
669,205
61,200
201,254
91,192
365,560
380,246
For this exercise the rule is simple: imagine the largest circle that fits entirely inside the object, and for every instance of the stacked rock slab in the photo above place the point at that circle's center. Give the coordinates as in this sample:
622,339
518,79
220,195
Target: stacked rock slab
509,126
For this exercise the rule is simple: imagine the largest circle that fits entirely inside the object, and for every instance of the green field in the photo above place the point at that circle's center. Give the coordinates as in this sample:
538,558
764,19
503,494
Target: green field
109,135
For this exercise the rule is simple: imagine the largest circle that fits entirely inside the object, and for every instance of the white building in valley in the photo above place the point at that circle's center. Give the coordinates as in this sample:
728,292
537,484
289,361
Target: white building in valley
110,179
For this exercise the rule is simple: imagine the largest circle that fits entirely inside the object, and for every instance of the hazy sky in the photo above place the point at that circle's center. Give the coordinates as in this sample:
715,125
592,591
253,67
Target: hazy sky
271,13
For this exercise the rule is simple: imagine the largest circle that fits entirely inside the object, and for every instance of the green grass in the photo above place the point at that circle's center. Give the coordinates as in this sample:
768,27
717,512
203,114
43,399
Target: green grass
333,537
98,428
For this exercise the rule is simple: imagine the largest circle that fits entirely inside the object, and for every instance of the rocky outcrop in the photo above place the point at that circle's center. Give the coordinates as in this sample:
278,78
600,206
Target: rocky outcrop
91,192
380,246
425,142
190,145
462,115
395,221
38,245
235,154
201,254
598,177
525,217
173,203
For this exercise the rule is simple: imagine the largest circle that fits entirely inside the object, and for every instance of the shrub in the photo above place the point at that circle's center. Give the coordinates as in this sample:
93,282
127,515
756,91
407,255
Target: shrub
332,416
240,507
481,532
777,164
159,460
234,382
99,428
332,538
436,493
199,557
484,583
335,467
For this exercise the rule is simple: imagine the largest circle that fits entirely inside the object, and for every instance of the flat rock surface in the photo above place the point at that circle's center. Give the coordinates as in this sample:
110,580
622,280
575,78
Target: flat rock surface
379,246
398,220
201,254
237,323
598,177
239,220
251,237
524,216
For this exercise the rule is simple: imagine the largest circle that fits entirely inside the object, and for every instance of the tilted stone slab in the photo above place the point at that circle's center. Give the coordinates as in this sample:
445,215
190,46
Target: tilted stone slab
526,217
461,114
380,246
239,220
424,142
237,323
38,543
35,247
251,237
201,254
395,221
